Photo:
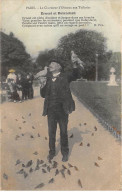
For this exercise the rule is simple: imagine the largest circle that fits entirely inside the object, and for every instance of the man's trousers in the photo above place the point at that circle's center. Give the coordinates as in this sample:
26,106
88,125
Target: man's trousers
57,117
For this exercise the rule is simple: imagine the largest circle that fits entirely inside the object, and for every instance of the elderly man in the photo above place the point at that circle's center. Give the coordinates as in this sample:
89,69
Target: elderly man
58,104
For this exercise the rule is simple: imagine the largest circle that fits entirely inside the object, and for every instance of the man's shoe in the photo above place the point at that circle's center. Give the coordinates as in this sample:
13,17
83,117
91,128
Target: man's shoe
65,158
50,156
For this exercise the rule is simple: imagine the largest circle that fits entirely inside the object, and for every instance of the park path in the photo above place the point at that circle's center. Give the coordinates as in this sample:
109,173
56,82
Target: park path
94,153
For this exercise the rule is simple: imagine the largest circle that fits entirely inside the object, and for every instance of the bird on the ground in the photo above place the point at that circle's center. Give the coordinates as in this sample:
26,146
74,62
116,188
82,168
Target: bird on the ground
92,134
21,171
29,163
23,165
75,168
38,135
64,166
51,180
96,164
56,172
48,168
35,153
62,172
31,170
33,127
20,128
37,167
81,144
44,165
79,183
70,165
25,174
44,171
85,123
95,128
39,186
99,158
88,144
68,172
55,164
45,138
18,162
5,176
71,136
24,121
23,117
31,136
29,114
39,162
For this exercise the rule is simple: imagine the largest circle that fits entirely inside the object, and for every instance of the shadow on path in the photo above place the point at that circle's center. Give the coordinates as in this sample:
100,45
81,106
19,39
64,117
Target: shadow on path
77,138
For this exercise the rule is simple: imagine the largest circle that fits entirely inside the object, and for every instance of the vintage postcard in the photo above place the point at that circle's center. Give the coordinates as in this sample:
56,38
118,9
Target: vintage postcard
60,89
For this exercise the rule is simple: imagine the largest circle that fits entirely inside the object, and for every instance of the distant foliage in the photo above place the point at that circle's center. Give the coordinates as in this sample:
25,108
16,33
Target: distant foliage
86,44
13,54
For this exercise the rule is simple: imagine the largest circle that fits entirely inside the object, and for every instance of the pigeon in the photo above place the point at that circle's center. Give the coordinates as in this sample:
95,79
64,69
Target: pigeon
88,144
70,165
95,128
29,163
55,164
44,171
39,186
31,136
64,166
17,136
75,168
62,172
92,134
1,130
22,134
23,117
16,120
85,123
80,124
56,172
51,180
45,138
68,172
96,164
81,144
38,135
33,127
5,176
20,128
21,171
37,167
99,158
39,162
71,136
79,183
31,170
48,168
44,165
29,114
35,153
25,174
23,165
18,162
24,121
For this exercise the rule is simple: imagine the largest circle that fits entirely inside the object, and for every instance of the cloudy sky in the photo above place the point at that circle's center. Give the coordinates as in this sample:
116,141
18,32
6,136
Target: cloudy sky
107,12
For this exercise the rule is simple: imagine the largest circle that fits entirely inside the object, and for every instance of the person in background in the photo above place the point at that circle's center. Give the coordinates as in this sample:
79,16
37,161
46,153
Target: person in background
19,84
11,81
31,92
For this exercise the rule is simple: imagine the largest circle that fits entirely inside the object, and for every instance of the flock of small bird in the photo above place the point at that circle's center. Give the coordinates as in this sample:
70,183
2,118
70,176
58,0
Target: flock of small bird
28,168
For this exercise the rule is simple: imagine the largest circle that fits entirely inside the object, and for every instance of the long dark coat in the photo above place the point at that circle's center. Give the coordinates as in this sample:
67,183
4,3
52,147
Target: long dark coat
63,83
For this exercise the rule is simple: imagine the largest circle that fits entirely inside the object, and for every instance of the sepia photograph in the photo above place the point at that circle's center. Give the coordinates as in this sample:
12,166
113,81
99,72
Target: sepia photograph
60,95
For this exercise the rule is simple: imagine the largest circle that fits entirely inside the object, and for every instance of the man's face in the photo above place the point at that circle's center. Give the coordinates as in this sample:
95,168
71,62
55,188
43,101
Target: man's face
54,67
